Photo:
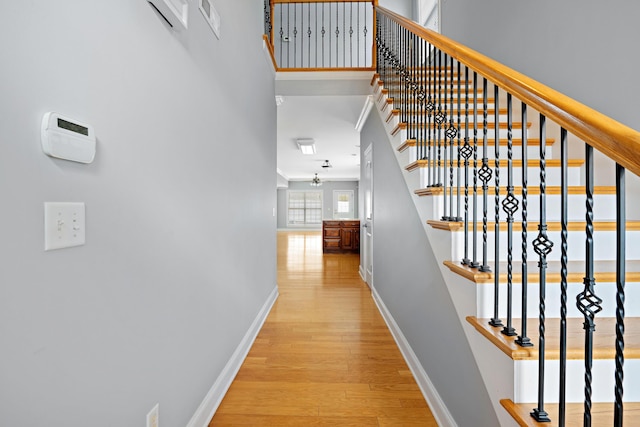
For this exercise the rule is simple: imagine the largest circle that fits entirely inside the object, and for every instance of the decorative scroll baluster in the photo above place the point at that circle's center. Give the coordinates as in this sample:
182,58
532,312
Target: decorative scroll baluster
588,303
485,176
422,110
510,206
466,151
523,340
543,246
564,234
474,262
621,220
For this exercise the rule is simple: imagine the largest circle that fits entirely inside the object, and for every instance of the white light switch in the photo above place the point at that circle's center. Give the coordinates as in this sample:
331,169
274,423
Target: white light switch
63,225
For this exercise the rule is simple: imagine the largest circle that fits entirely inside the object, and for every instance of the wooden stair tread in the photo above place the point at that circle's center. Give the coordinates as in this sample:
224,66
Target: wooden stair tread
601,414
603,339
552,190
532,226
605,272
551,163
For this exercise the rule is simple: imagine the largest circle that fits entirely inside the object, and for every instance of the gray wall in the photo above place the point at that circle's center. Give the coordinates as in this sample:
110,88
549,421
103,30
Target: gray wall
407,278
405,8
178,261
327,198
582,48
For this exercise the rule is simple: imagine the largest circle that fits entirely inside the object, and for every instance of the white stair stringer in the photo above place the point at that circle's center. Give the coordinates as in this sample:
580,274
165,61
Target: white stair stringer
498,380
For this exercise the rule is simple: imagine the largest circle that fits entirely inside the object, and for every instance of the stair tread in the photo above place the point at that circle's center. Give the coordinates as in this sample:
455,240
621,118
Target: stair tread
553,190
532,226
603,339
601,413
605,272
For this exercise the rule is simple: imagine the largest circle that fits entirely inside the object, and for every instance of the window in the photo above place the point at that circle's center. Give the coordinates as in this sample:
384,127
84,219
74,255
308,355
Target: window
304,207
343,204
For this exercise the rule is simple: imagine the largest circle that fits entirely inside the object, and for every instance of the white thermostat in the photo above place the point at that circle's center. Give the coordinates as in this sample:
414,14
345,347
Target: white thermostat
68,139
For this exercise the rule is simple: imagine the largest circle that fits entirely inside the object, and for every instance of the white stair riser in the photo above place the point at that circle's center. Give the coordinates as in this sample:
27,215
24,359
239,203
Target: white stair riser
604,245
606,291
532,153
604,208
439,135
574,175
526,378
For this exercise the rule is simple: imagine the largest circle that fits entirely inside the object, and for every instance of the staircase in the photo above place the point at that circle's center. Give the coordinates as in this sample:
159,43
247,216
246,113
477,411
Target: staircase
435,173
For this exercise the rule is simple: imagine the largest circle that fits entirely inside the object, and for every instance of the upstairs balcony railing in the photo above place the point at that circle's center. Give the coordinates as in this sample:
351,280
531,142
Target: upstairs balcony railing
320,35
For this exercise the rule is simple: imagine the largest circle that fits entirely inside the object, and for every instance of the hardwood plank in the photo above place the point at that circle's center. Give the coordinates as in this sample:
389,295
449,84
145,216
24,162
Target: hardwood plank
324,356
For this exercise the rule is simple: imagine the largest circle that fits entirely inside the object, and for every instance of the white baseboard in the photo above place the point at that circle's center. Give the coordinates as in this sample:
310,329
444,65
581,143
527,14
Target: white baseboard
438,408
212,400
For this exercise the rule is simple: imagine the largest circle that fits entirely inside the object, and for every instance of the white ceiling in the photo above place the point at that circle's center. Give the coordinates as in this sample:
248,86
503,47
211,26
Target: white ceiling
326,107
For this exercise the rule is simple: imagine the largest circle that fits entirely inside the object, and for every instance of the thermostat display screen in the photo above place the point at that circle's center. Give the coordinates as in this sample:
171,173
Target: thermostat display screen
73,127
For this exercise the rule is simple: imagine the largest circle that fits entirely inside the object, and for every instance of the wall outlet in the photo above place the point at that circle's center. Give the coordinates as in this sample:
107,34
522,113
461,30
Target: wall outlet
152,416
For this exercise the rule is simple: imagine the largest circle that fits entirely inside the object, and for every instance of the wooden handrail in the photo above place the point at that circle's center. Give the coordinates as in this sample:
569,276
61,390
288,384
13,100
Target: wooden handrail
619,142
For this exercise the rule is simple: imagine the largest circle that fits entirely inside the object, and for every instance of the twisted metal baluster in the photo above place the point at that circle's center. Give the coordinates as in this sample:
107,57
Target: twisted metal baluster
588,302
485,174
443,124
458,218
542,246
451,133
495,321
564,204
439,119
430,110
620,295
466,151
510,206
474,262
523,340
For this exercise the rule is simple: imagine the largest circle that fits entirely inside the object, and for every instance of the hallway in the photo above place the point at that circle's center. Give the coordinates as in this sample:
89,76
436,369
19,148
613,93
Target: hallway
324,356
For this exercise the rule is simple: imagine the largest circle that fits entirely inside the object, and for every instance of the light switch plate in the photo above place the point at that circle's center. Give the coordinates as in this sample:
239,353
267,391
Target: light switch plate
64,225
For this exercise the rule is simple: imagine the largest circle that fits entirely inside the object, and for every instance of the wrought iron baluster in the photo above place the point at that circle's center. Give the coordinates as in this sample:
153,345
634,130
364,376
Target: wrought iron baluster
588,302
439,119
495,321
564,234
543,246
457,217
430,109
466,151
523,340
474,262
510,206
621,220
451,133
309,32
443,124
295,34
485,174
351,32
324,31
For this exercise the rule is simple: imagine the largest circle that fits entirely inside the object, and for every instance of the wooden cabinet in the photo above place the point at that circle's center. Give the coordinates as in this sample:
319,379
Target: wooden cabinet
341,236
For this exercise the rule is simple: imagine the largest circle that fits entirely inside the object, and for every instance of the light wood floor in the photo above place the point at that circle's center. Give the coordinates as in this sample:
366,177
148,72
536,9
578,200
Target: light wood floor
324,356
